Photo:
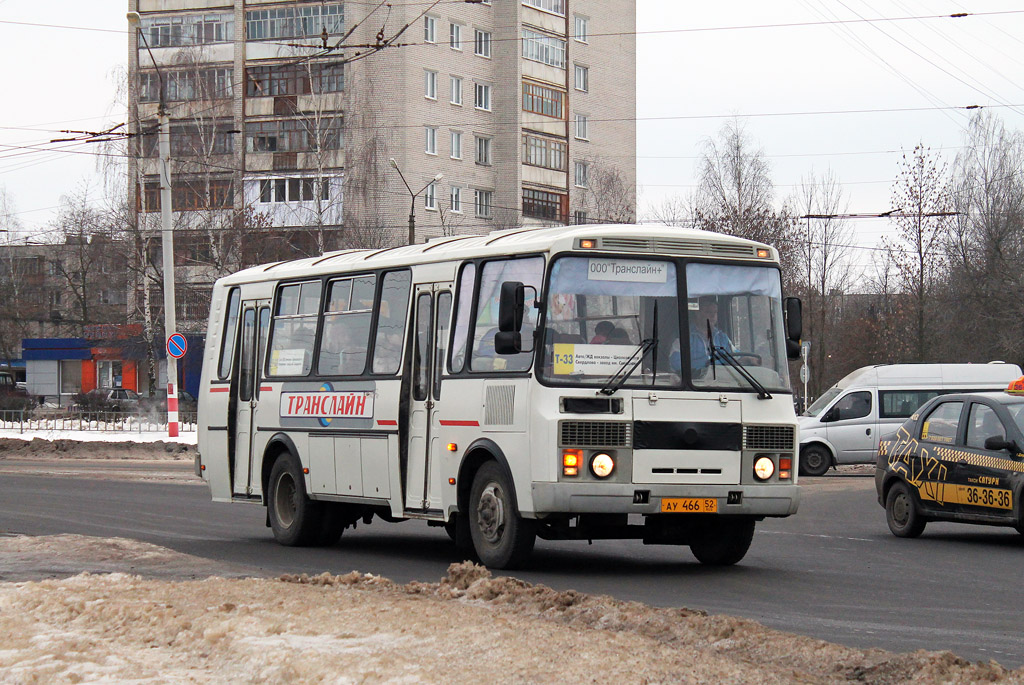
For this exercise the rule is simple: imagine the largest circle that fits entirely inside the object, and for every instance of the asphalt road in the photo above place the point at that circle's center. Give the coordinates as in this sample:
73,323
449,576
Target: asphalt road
833,571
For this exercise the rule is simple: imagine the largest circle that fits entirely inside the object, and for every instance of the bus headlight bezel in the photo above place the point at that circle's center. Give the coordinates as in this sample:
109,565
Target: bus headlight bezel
602,465
764,467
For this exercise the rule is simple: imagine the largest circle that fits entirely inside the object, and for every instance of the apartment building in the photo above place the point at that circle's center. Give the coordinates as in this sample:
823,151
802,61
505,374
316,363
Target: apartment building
526,108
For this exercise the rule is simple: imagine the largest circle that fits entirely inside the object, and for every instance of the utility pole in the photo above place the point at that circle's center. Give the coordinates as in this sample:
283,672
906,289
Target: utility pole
167,232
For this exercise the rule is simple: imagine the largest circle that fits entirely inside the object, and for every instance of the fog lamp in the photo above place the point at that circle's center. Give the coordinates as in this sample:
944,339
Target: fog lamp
764,467
602,465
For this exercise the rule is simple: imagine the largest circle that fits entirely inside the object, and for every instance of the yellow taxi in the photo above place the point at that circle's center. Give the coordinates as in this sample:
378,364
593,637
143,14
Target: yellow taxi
960,457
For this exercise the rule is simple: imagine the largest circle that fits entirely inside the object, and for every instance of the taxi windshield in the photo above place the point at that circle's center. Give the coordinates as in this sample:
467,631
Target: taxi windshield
1017,413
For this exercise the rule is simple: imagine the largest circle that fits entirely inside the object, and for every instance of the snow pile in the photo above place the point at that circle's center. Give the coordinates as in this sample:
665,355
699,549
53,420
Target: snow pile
469,627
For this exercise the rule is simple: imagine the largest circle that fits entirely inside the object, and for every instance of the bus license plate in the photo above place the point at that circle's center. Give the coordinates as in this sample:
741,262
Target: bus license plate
689,505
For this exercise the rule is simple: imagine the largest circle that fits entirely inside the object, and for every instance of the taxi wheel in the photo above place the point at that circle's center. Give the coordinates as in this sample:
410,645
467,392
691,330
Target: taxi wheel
723,542
901,513
814,461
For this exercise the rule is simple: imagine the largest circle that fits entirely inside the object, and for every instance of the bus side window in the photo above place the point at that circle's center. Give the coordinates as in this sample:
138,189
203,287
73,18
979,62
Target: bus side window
467,281
294,329
227,349
391,315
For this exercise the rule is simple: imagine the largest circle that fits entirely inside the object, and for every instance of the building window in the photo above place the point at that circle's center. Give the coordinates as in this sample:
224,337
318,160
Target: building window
579,217
430,196
543,100
293,79
482,43
293,135
542,205
483,150
431,140
482,96
582,173
430,29
456,90
306,21
456,200
582,78
544,152
430,84
214,194
581,26
201,84
482,201
456,144
191,140
581,127
189,29
542,48
553,6
294,189
455,36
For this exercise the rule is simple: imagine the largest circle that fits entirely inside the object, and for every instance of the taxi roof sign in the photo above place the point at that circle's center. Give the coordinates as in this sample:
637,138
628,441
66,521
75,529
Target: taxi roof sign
1016,387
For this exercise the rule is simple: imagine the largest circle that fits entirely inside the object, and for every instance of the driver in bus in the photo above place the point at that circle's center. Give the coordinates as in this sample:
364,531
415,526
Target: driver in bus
706,314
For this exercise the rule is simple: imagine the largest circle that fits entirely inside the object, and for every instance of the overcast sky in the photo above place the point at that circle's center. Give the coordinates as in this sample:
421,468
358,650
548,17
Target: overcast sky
697,67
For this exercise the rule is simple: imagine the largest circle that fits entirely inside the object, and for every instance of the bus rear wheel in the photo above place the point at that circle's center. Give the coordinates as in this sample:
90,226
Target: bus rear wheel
723,542
501,537
296,520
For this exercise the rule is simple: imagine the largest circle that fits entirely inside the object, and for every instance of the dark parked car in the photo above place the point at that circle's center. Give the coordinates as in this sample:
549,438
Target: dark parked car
12,396
108,400
958,458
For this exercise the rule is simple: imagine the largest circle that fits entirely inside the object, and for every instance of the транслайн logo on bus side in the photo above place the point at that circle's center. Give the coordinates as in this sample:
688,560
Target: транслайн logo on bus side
327,404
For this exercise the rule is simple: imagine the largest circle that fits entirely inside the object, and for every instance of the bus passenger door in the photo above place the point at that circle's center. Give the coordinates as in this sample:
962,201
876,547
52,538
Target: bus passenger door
255,324
429,351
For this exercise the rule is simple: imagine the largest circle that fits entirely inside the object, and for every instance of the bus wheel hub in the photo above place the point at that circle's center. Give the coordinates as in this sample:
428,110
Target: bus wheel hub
490,513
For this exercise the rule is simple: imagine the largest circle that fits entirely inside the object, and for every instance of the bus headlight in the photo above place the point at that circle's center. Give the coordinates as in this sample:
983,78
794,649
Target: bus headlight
764,467
602,465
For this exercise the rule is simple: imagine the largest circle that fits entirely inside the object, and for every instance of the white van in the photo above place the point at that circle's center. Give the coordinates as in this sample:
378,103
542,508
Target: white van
844,425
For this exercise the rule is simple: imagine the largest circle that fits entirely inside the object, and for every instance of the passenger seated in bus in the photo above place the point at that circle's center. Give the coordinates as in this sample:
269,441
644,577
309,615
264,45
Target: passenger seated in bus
602,330
619,337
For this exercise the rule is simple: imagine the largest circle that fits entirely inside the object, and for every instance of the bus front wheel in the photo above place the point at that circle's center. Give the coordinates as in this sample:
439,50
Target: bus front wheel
501,537
723,542
296,520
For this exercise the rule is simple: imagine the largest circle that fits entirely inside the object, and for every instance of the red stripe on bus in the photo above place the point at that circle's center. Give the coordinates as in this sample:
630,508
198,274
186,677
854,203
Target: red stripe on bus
224,389
386,422
266,388
459,423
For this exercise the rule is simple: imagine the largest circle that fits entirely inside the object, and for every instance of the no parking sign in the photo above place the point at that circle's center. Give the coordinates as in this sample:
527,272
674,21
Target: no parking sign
177,345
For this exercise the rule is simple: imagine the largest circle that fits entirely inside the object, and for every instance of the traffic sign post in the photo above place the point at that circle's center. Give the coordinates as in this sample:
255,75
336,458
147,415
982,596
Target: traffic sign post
177,346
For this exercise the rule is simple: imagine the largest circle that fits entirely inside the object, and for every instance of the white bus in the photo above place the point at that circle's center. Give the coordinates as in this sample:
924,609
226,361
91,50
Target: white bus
519,384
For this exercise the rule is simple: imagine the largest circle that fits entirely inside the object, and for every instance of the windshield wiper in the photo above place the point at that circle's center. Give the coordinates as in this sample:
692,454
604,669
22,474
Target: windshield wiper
728,358
620,376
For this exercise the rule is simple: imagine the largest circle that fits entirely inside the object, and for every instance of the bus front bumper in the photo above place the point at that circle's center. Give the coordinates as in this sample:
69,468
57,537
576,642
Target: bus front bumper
631,498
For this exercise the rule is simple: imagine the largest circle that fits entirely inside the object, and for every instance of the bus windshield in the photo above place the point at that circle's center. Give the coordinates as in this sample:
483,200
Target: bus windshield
600,310
735,312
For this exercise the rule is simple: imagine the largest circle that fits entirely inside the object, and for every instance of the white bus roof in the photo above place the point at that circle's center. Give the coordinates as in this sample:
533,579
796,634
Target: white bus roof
924,376
620,238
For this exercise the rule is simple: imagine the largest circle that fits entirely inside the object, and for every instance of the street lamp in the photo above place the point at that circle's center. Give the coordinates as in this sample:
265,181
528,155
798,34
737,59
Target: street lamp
412,207
167,232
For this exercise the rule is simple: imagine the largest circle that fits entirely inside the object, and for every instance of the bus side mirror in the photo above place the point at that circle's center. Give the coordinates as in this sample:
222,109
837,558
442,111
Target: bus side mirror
794,326
511,305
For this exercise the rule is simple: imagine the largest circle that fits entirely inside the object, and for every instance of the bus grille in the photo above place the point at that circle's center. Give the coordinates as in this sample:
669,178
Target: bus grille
776,438
595,433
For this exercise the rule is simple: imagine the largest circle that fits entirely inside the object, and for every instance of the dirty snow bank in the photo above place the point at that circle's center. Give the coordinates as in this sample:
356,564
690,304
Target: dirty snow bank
100,446
470,627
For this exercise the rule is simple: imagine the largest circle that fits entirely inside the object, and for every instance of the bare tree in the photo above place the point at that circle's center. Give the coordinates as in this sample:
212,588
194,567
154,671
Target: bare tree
824,253
608,198
921,194
736,196
673,211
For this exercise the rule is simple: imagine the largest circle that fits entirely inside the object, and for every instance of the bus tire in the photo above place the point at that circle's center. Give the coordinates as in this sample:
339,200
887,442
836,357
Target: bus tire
814,461
296,520
501,537
901,513
724,542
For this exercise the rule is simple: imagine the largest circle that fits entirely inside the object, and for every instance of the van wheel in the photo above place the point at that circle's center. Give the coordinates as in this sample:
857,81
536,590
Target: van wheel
901,513
296,520
724,542
501,537
814,461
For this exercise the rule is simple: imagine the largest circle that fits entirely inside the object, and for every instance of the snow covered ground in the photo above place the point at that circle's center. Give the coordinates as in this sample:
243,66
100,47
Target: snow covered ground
45,432
469,627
